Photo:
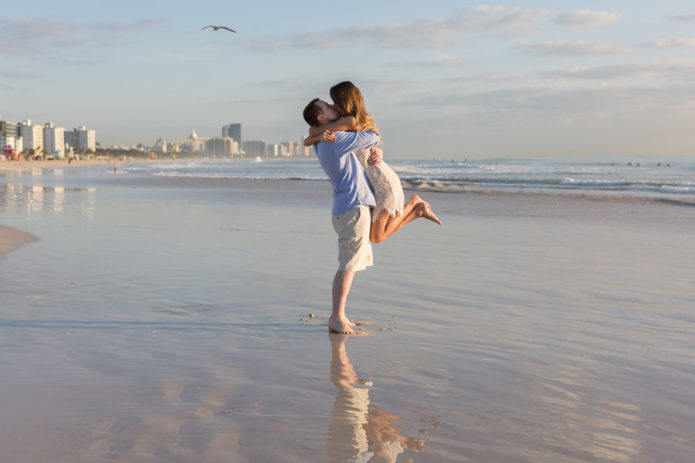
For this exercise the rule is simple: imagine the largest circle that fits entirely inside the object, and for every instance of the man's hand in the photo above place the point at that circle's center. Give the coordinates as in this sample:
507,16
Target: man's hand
328,136
376,156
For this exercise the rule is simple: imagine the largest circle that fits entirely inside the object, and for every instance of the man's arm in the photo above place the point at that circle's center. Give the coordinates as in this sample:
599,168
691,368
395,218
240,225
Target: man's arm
351,141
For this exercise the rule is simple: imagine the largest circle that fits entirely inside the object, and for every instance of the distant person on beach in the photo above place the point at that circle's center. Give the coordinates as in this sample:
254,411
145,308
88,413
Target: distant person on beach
390,214
352,200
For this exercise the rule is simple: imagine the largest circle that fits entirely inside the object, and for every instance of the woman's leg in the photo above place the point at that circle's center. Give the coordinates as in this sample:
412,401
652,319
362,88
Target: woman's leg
386,225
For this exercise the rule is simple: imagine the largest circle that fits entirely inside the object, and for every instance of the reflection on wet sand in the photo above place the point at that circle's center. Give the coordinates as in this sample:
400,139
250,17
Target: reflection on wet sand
37,198
360,431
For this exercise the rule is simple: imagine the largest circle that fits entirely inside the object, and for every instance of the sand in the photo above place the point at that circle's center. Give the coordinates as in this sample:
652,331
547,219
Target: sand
167,320
14,166
11,239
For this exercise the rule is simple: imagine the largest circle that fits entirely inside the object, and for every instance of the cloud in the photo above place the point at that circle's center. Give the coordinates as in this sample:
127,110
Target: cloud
500,18
577,102
427,33
618,71
583,19
572,48
683,17
488,78
683,42
20,75
435,63
41,37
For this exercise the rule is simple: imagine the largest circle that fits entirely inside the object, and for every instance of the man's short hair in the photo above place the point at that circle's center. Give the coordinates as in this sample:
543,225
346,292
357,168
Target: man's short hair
312,112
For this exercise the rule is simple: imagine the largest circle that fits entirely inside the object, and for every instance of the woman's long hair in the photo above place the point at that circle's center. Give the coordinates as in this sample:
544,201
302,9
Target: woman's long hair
349,101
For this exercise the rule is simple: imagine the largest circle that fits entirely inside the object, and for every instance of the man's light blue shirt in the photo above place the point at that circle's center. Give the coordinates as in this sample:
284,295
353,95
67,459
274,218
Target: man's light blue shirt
351,187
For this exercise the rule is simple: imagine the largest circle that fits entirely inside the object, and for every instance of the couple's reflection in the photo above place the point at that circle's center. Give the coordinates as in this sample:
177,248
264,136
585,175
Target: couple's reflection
361,432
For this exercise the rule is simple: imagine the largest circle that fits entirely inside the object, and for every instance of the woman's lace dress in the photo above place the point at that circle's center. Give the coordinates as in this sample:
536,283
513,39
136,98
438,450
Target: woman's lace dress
386,185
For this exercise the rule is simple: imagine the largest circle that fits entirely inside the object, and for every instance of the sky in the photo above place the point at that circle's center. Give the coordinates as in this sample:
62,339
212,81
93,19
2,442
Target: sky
443,79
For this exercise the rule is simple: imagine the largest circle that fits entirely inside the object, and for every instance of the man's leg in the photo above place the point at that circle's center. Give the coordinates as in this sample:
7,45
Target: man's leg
342,282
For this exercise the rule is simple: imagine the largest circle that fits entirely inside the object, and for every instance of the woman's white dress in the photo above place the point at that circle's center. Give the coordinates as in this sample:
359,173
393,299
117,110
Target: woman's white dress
386,185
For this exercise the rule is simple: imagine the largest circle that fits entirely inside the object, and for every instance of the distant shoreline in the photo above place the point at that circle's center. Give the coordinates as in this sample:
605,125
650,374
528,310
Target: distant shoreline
14,166
17,166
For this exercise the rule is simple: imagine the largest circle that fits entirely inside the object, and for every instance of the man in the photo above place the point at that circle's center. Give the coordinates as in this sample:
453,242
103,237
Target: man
352,199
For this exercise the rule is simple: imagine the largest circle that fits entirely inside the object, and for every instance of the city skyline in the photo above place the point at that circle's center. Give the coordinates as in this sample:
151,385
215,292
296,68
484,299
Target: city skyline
26,138
445,79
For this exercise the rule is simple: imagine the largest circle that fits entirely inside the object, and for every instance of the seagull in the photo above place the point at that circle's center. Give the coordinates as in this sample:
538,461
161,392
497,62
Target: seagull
217,28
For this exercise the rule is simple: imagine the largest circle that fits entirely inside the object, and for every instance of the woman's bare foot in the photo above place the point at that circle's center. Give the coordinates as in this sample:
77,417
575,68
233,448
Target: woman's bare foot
415,199
429,215
340,325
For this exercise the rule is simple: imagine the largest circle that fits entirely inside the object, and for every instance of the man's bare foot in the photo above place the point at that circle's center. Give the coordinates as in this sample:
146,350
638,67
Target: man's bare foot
429,215
342,326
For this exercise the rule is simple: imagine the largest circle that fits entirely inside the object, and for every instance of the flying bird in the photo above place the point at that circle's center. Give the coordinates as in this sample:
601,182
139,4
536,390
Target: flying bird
217,28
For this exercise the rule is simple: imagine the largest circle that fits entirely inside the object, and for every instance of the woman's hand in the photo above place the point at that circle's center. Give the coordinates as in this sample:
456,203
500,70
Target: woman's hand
328,136
376,156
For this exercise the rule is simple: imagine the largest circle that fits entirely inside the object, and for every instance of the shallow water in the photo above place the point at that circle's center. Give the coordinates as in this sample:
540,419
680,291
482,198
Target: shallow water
161,320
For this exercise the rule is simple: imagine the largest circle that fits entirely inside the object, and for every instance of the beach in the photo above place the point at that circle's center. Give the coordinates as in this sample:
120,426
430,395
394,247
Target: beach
18,166
169,318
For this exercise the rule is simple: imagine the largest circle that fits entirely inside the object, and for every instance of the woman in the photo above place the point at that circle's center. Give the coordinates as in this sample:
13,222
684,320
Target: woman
390,214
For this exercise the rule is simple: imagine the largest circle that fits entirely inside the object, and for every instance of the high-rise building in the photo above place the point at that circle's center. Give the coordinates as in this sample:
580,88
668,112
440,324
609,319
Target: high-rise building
220,146
255,148
234,131
81,139
54,140
8,129
32,135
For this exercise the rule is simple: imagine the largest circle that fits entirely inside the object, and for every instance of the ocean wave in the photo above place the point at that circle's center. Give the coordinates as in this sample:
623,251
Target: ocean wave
678,190
594,182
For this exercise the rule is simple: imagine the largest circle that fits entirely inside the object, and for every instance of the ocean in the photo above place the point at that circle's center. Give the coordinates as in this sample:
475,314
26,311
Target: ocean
656,179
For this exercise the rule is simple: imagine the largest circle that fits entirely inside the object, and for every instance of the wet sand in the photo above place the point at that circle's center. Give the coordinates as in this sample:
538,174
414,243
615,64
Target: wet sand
11,239
168,320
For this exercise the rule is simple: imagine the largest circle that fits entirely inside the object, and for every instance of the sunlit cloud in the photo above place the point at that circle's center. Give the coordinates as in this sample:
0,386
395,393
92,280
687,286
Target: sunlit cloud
500,18
581,47
426,33
618,71
679,42
583,19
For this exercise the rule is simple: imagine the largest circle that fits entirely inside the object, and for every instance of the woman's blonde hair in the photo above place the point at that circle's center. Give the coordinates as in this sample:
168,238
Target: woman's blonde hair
348,99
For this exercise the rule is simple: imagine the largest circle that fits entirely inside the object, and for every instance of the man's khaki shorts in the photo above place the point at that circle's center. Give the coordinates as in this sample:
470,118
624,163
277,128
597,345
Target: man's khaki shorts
354,248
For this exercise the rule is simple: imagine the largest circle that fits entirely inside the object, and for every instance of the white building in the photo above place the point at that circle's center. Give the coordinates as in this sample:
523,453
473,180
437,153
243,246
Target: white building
161,145
193,143
54,140
32,135
15,142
